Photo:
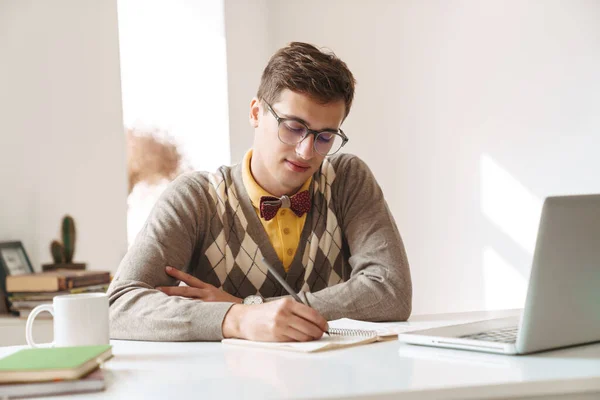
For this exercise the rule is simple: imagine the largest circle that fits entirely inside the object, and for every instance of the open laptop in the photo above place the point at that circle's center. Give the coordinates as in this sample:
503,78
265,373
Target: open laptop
563,298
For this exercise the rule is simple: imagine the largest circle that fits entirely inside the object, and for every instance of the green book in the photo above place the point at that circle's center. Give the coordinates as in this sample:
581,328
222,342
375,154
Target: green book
50,364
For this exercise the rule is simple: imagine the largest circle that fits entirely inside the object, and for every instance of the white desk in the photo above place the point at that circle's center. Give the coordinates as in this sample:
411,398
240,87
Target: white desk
387,370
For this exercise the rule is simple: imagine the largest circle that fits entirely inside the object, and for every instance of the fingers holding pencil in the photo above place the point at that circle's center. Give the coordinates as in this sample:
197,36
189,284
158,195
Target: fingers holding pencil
307,312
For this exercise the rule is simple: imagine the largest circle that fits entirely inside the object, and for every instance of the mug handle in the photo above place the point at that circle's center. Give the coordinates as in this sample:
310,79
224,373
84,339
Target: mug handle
29,326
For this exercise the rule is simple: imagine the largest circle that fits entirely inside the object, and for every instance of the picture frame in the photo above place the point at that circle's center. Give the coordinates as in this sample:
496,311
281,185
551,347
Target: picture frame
13,261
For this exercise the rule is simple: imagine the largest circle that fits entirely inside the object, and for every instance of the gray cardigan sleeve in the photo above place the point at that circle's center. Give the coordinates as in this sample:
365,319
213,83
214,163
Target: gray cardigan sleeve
138,311
379,287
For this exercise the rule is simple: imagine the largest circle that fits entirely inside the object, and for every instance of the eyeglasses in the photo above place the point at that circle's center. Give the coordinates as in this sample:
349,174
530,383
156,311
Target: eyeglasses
292,132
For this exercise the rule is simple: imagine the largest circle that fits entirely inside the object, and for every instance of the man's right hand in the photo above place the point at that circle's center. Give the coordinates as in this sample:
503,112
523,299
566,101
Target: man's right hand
283,320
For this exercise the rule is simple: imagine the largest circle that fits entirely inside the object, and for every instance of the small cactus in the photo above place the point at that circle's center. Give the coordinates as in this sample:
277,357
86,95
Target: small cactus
56,249
63,252
68,236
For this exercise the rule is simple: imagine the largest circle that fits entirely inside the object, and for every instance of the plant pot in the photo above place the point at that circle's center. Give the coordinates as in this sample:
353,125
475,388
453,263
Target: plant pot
54,267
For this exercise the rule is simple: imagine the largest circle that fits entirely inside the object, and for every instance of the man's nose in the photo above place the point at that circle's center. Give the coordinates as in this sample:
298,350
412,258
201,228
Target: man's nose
305,148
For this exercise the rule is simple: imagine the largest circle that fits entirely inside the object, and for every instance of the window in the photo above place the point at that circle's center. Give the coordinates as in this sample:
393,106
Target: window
174,87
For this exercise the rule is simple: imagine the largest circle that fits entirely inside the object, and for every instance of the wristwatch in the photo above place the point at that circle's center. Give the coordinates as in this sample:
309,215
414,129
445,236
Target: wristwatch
253,299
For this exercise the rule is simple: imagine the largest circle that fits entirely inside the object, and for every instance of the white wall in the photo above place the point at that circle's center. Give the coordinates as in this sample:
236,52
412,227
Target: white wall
248,50
61,132
469,113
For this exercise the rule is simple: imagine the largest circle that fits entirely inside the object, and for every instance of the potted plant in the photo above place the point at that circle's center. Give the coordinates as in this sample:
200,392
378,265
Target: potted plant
62,253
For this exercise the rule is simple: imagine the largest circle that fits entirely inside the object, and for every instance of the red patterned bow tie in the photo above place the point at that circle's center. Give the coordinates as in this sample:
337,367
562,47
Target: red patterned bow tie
298,203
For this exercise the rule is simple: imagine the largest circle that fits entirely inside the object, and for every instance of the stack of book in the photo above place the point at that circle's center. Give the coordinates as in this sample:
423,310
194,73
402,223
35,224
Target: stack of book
53,371
25,292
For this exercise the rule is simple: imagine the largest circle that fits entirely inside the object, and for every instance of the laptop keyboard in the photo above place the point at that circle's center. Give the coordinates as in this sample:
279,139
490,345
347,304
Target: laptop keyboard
503,335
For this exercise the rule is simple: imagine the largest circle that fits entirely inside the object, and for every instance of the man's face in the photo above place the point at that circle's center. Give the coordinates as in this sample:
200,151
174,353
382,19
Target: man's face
280,168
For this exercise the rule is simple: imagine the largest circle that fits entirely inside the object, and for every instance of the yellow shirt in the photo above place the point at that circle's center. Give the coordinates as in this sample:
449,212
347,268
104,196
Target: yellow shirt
285,229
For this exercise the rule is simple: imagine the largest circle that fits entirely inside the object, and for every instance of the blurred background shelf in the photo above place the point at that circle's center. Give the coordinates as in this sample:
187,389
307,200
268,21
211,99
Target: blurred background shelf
12,330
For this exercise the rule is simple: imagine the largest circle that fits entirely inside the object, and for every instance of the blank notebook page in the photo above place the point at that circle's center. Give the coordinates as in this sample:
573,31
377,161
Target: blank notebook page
325,343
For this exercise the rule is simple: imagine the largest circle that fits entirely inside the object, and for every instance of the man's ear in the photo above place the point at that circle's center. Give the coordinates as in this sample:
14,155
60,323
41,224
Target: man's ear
254,112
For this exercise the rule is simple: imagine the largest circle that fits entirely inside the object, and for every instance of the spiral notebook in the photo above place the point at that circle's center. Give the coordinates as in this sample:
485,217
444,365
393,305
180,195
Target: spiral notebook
338,338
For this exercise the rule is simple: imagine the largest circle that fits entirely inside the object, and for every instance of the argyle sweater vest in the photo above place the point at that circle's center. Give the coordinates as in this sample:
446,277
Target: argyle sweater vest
350,261
235,242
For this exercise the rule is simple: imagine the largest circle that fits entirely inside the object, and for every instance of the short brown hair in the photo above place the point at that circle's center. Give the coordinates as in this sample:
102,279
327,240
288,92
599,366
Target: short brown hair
303,68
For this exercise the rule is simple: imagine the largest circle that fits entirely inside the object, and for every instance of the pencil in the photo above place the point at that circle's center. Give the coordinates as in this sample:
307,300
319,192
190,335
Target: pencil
285,285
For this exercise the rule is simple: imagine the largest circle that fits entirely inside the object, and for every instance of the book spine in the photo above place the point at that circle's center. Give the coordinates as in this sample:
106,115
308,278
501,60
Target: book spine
79,281
24,296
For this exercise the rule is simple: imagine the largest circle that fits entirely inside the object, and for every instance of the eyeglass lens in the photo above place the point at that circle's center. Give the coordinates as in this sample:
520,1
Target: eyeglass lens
325,143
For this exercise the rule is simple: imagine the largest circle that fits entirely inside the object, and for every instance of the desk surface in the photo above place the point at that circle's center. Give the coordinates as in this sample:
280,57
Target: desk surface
376,371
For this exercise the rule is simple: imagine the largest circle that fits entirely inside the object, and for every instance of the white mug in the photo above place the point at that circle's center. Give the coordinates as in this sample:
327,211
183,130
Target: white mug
79,320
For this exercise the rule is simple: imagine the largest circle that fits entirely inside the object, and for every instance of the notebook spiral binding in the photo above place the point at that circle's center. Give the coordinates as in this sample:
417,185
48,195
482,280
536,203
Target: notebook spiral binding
352,332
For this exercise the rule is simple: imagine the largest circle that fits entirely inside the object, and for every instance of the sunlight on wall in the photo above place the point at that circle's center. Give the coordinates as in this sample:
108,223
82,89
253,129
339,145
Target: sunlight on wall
508,204
515,211
504,287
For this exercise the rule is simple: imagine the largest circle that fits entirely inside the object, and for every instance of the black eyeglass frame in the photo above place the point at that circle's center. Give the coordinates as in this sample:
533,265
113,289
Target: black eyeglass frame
309,131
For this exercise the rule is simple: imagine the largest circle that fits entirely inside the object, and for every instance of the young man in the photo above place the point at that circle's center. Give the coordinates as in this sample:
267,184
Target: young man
319,219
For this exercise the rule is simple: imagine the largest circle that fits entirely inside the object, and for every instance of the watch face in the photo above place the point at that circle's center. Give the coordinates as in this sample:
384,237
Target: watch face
253,300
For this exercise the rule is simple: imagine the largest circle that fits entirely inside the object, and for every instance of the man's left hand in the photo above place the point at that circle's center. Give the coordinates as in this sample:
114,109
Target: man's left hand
195,289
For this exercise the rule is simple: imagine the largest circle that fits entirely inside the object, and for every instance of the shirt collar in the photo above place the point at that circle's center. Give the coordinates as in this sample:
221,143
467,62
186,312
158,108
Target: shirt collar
255,191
